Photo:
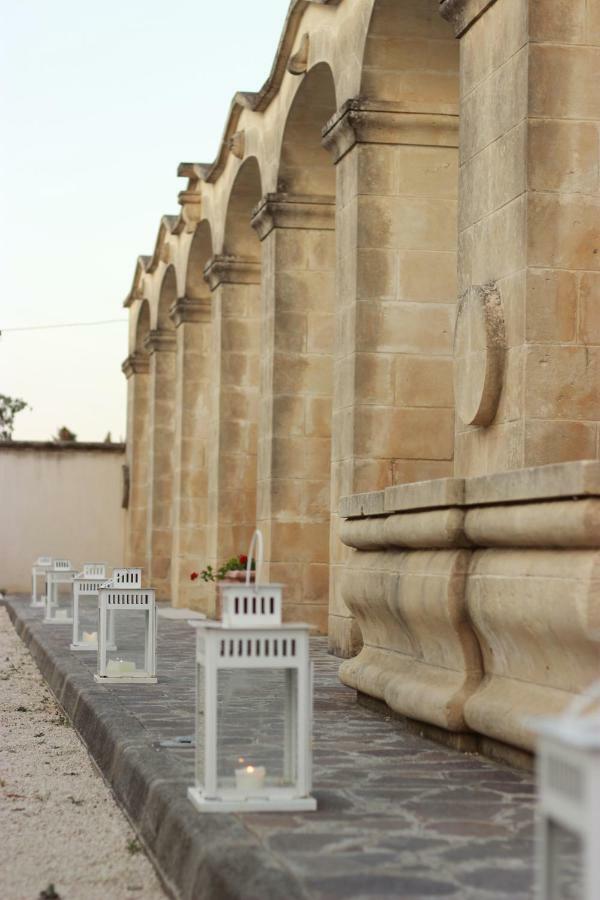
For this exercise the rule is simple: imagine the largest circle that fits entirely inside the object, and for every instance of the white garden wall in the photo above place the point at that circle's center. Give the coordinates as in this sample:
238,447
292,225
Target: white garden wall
59,500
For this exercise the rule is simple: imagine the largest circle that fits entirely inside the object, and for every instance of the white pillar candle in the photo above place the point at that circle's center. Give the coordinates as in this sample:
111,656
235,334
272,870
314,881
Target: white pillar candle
120,667
250,779
90,637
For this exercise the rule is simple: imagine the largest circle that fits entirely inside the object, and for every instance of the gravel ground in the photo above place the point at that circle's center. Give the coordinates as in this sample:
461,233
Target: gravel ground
59,822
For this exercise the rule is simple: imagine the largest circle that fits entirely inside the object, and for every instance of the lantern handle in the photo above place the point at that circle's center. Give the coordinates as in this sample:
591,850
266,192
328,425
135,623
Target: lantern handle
256,547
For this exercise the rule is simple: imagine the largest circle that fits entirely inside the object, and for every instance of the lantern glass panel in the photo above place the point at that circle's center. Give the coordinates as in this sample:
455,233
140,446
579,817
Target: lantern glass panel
60,607
87,617
128,654
566,859
254,730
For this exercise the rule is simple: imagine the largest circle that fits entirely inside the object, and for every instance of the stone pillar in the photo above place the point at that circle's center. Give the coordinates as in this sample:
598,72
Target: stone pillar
160,344
393,416
136,368
190,477
235,285
294,444
528,331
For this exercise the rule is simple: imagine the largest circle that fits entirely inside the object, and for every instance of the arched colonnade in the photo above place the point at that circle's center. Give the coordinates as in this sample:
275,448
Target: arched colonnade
291,336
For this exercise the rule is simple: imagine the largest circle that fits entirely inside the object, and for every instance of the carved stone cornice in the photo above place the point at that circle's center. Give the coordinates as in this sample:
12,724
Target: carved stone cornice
223,269
463,13
383,122
185,310
293,211
159,340
135,364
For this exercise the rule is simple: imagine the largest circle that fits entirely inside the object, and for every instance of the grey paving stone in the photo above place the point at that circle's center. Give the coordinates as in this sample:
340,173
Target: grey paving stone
398,815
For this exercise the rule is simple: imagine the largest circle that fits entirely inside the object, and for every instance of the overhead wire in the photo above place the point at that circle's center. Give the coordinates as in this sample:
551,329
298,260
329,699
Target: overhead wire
62,325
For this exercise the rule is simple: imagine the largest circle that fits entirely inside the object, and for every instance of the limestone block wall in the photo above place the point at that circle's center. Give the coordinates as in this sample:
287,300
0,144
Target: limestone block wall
529,226
478,599
296,354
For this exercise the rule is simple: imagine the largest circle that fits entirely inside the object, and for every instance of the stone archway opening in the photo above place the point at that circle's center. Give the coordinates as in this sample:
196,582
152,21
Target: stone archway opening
161,346
297,229
234,279
191,315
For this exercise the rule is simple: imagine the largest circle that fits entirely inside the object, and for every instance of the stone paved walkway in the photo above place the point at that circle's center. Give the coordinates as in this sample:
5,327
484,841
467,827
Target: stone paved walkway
399,816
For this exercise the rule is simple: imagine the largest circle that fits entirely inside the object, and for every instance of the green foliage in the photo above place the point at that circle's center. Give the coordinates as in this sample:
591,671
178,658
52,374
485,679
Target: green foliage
64,435
9,407
235,564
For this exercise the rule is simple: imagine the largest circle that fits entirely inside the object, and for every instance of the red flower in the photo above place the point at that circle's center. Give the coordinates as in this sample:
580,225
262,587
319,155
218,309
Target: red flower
193,576
243,560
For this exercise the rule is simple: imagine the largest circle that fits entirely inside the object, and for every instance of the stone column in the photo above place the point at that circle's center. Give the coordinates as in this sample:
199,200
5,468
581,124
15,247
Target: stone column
136,368
160,344
393,417
190,477
235,285
528,332
294,444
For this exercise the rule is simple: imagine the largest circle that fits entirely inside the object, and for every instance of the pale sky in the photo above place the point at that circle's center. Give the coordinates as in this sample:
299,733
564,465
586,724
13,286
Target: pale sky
99,103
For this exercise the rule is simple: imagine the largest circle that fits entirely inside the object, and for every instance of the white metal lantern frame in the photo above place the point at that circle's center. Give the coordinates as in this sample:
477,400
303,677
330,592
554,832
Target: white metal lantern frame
117,601
39,570
251,637
568,780
62,572
88,584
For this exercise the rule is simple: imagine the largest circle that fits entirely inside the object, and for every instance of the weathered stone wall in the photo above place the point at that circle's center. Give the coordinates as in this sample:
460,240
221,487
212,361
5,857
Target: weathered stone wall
361,303
529,224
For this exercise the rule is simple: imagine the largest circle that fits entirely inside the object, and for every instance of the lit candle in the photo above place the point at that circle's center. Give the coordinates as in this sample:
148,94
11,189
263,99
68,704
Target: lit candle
90,637
119,667
250,779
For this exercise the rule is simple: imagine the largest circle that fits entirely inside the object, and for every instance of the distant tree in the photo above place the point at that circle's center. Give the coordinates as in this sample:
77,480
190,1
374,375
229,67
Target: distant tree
108,438
9,407
64,435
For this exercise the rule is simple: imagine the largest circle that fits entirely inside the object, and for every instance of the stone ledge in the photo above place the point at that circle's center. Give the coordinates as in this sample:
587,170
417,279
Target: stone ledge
553,482
558,481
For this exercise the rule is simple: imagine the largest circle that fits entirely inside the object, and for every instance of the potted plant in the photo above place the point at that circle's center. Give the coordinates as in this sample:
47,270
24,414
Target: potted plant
233,570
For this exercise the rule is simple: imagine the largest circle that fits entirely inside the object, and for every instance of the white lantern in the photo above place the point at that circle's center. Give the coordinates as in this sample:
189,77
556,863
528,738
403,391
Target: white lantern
87,584
38,570
254,704
568,780
59,609
134,611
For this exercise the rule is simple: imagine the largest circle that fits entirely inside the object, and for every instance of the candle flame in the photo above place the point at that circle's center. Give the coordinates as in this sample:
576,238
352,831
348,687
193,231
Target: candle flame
241,759
249,768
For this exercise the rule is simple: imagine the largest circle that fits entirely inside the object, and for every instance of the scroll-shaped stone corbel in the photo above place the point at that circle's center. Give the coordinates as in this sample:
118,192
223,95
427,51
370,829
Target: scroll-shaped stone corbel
298,61
479,354
237,144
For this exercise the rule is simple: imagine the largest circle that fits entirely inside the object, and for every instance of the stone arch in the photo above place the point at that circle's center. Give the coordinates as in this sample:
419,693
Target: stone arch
234,279
410,54
142,328
162,346
136,368
200,253
305,167
297,229
166,299
192,318
239,238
